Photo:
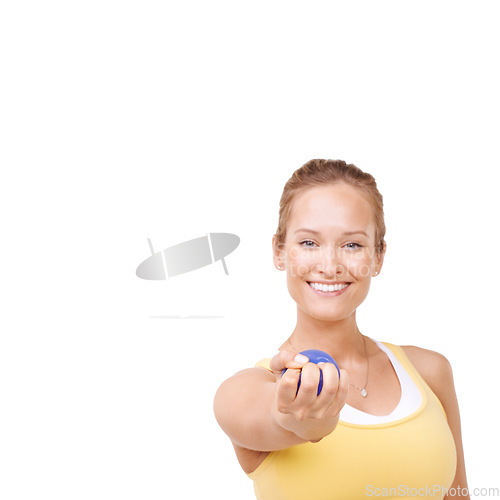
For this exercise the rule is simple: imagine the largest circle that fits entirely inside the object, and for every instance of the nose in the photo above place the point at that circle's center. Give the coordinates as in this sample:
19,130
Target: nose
331,264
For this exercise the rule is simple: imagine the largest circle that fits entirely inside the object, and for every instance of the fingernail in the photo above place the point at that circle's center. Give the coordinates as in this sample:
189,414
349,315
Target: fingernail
301,359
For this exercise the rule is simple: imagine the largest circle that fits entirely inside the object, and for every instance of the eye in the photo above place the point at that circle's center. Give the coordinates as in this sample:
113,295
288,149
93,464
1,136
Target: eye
353,246
307,243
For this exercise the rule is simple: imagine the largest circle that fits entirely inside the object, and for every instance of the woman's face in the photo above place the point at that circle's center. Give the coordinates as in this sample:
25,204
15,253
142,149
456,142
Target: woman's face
329,251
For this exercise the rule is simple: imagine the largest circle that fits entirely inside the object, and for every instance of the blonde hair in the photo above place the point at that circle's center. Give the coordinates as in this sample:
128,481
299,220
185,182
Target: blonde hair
317,172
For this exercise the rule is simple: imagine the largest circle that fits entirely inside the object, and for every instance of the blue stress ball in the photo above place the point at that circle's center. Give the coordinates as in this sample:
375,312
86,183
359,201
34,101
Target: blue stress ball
316,356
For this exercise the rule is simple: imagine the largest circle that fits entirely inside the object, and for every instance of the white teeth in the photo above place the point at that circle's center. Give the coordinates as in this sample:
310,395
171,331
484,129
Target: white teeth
328,288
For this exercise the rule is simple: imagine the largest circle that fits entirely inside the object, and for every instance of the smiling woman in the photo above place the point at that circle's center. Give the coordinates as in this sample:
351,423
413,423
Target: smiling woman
390,416
328,241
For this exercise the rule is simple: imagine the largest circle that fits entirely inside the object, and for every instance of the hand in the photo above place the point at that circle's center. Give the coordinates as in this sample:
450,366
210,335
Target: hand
302,412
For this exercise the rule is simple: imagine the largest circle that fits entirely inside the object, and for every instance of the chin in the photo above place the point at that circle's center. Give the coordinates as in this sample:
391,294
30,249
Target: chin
324,314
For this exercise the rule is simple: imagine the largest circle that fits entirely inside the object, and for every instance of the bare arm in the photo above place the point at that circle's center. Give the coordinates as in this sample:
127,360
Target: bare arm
436,370
262,411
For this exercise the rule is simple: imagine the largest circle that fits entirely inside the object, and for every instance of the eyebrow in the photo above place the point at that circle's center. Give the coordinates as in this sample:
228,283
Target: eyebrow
346,233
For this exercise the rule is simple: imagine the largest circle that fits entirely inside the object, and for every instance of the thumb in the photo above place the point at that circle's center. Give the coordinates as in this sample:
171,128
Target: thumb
287,359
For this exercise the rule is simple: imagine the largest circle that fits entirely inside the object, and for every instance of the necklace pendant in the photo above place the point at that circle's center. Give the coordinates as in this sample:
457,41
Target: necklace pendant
364,393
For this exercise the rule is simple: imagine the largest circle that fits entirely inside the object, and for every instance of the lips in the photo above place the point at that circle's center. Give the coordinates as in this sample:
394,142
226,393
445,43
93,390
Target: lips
329,289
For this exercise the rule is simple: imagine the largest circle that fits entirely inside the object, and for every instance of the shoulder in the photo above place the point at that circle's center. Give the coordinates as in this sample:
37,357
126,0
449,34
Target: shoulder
236,411
245,384
260,372
433,367
428,363
249,376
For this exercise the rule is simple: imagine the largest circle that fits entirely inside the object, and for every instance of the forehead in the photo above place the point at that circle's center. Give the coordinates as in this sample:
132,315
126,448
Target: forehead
338,206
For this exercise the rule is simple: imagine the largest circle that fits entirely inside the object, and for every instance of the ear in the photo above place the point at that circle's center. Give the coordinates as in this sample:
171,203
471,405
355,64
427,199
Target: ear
379,261
278,254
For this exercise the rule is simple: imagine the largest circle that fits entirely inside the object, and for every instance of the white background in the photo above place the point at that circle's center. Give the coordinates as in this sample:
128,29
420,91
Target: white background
123,121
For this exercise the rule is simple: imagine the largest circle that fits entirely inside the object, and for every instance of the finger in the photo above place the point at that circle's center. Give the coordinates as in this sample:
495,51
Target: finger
341,395
287,359
286,389
308,389
330,383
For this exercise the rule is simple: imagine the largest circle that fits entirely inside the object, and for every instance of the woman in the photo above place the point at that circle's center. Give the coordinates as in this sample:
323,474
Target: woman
388,423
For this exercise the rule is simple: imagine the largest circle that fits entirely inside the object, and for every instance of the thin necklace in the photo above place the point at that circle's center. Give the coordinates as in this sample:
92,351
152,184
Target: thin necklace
362,390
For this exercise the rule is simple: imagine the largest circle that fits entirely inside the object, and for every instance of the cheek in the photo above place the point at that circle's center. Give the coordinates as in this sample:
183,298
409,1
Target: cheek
300,261
360,265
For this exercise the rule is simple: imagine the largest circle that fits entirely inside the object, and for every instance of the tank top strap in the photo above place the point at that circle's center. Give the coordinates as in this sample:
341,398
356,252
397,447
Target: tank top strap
264,363
402,357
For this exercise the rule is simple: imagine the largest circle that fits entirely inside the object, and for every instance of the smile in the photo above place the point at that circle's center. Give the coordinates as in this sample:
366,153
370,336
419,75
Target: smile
333,289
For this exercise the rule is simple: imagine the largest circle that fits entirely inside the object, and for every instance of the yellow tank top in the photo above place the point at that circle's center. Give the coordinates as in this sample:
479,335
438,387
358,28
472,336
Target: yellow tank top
413,457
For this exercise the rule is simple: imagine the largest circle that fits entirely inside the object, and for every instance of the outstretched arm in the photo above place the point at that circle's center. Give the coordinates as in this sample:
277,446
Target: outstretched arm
263,411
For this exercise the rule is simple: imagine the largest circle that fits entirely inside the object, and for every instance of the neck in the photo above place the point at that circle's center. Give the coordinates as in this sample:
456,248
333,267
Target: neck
341,339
